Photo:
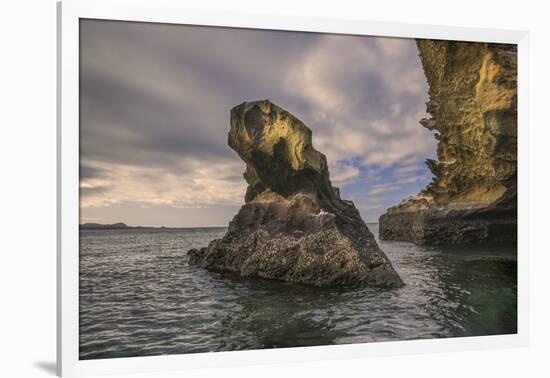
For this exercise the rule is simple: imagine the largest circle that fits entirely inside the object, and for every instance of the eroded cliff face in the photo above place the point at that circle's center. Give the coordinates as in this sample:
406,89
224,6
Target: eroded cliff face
293,226
473,109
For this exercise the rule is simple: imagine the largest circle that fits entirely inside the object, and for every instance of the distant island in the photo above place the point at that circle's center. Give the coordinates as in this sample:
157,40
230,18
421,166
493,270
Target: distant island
98,226
124,226
114,226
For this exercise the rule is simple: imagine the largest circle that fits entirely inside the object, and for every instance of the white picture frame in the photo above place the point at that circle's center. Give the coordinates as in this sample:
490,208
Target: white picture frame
171,11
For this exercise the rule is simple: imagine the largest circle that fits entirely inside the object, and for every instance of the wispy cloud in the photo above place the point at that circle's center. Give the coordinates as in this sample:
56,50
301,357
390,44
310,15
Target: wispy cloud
196,185
384,188
155,103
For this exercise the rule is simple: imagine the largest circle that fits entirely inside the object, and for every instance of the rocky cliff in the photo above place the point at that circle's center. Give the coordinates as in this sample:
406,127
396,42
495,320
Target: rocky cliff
473,109
293,226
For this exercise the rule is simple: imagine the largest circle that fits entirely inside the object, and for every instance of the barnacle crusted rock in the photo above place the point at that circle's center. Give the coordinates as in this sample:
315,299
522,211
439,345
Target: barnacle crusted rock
293,226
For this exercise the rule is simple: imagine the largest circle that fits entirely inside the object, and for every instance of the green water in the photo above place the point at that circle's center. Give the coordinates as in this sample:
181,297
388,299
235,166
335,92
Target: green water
139,297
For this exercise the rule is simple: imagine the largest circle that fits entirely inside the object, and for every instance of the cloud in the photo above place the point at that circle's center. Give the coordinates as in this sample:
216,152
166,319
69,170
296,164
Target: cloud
406,170
384,188
155,103
198,185
365,98
89,172
343,173
90,190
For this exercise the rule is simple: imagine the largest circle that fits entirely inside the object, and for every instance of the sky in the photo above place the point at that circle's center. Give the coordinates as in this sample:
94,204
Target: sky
154,117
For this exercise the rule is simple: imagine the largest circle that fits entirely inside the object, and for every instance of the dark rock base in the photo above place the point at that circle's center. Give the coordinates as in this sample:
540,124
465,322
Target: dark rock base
439,227
293,240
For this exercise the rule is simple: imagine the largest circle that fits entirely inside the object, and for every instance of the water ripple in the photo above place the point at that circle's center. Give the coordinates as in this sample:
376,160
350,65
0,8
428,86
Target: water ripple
139,297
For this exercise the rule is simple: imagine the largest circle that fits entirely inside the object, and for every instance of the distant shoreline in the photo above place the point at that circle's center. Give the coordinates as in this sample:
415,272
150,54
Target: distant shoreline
124,226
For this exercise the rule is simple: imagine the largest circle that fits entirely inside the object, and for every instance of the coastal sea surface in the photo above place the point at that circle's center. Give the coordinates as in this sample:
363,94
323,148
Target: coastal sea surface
139,297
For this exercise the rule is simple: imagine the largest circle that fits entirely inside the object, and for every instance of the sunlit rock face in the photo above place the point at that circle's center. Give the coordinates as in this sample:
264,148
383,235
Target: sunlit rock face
473,109
293,226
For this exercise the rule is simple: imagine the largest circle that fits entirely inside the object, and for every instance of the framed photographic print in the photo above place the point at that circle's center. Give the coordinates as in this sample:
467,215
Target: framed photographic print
238,189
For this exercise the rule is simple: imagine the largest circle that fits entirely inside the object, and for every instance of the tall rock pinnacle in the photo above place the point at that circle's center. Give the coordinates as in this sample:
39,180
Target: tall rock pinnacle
293,226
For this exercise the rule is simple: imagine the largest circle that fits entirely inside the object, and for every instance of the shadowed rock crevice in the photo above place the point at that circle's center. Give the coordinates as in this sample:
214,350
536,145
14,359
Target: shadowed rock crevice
473,106
293,226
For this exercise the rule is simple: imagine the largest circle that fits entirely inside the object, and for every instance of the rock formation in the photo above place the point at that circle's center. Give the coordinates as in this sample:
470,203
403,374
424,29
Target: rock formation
293,226
473,107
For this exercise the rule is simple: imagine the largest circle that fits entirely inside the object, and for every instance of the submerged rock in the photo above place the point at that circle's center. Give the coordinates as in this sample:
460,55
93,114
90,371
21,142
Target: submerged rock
473,108
293,226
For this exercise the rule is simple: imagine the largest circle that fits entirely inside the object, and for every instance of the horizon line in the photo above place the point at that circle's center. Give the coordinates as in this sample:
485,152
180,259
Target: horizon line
142,226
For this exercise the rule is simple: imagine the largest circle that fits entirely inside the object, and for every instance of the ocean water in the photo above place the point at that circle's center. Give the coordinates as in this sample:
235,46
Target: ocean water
139,297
